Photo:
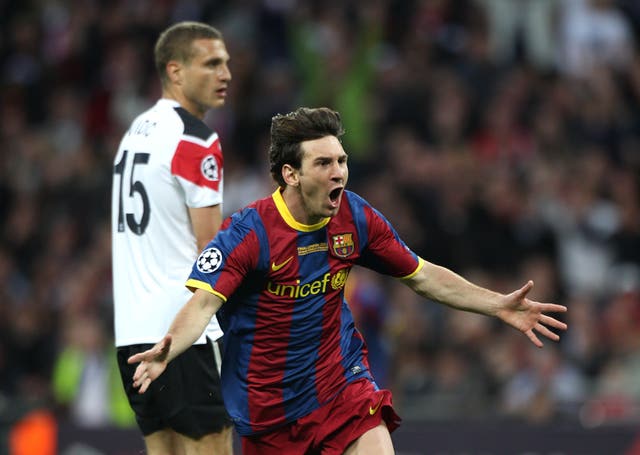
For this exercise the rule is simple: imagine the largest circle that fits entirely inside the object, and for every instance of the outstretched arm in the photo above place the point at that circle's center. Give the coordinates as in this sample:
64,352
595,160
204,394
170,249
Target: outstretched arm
442,285
186,328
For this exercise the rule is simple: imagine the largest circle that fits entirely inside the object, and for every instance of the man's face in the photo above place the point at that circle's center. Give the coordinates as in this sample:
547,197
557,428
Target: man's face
322,177
206,76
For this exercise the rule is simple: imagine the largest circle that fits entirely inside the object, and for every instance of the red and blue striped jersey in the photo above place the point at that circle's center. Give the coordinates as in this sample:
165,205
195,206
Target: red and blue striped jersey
290,344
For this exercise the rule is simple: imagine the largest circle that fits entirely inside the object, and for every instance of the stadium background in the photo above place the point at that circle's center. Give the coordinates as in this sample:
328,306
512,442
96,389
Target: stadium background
500,137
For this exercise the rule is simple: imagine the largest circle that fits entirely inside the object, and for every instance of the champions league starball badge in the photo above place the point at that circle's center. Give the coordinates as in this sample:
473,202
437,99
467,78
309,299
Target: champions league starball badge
209,168
209,260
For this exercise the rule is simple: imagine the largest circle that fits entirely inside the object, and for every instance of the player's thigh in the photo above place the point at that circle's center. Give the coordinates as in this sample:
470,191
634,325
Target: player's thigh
376,440
220,443
360,408
163,442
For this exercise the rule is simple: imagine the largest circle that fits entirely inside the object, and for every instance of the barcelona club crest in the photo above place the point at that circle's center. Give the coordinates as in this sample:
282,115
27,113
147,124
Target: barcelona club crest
342,245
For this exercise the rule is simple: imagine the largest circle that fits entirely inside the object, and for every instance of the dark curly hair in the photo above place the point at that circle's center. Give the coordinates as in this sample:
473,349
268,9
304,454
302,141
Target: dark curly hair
289,130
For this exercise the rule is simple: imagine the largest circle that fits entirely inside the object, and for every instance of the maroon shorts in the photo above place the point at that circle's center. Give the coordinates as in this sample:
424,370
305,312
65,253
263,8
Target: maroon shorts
331,428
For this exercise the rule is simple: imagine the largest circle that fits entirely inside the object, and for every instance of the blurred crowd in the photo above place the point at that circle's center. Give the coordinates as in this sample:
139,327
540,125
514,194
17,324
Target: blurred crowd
500,137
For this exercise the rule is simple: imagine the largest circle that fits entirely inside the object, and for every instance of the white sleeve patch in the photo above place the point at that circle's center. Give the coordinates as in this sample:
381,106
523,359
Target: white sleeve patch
199,196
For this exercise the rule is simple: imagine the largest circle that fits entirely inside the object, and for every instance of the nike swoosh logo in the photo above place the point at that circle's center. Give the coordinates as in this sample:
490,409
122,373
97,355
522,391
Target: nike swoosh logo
277,267
373,410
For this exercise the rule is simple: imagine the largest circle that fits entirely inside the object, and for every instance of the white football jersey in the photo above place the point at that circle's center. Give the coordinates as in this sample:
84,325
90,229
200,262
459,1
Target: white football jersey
167,161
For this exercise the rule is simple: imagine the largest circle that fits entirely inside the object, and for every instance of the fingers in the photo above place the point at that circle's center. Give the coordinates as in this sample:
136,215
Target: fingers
542,321
141,378
139,373
145,386
142,384
548,320
524,290
142,375
149,354
534,339
159,349
546,332
552,308
136,358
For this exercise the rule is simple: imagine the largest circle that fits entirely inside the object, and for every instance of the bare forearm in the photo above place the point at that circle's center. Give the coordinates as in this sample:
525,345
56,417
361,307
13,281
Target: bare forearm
206,222
191,321
444,286
528,316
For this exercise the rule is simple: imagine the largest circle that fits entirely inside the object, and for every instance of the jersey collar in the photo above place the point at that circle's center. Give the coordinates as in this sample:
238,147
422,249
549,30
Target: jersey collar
290,220
168,102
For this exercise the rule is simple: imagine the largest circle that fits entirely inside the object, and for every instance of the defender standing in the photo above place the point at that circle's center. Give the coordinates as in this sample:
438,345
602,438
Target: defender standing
166,198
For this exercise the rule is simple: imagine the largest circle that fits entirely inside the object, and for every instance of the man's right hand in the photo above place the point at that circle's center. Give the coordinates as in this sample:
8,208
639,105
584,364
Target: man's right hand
152,363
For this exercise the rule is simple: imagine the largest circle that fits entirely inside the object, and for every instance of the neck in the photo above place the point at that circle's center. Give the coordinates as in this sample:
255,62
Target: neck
173,94
294,201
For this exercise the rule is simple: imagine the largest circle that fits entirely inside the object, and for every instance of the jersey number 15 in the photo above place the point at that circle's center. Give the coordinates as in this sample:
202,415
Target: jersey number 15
135,186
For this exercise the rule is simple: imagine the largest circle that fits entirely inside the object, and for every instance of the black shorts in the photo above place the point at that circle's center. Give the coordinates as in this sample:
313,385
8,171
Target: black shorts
186,397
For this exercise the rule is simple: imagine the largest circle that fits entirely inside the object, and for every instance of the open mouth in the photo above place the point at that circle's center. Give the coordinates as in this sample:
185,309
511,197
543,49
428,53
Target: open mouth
335,194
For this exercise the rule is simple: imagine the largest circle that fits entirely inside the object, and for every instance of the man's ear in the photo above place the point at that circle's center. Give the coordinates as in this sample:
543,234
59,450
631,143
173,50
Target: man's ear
290,175
174,72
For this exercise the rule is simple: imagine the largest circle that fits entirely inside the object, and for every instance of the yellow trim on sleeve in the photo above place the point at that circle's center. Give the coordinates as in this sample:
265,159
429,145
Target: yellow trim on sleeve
192,285
412,274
